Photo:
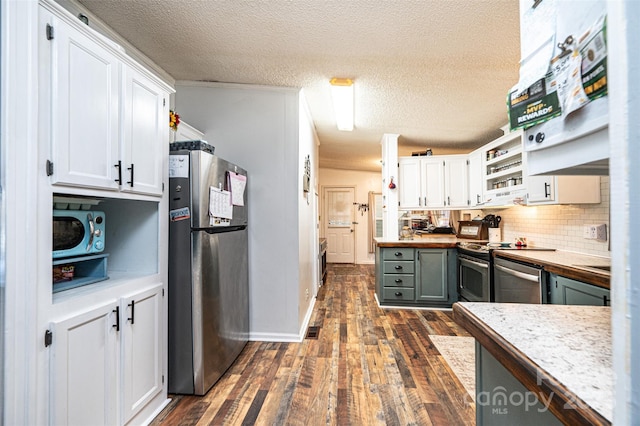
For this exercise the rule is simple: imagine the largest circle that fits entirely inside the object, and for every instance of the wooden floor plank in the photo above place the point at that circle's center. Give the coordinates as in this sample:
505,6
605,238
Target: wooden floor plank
368,366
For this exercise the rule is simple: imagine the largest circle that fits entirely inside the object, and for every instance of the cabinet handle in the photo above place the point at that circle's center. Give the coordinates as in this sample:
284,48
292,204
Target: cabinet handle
605,299
547,186
397,253
119,167
133,305
477,198
448,201
117,324
398,267
398,293
398,281
131,181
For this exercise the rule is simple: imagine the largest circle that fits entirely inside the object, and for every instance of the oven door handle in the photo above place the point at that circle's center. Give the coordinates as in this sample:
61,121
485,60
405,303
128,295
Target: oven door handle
528,277
478,264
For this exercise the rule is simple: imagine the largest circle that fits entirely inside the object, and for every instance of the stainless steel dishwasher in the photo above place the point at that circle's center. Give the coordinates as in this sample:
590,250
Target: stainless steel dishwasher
516,282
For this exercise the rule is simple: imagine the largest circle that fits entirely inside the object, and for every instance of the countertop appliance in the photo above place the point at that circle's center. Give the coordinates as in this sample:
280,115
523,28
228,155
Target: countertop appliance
208,267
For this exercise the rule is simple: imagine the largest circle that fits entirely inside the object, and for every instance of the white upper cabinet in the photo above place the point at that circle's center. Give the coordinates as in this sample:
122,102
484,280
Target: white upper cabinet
456,181
563,189
83,83
433,182
145,118
106,116
476,181
410,193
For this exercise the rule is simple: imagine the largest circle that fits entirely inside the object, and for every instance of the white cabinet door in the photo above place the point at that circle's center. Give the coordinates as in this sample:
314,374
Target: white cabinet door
456,181
409,183
476,178
433,181
146,133
84,80
84,366
540,188
142,348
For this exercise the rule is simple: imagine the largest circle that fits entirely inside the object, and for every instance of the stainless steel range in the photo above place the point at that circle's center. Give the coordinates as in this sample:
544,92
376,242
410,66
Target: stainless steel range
475,272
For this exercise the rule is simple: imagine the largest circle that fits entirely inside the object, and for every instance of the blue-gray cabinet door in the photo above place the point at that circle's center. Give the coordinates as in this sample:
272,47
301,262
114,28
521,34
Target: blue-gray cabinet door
431,275
565,291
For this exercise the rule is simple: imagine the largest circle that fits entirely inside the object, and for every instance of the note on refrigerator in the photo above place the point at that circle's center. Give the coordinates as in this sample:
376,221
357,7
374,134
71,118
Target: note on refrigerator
237,185
220,203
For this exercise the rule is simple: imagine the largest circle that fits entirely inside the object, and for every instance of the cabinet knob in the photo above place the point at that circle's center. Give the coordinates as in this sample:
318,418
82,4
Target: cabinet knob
397,253
398,280
398,267
398,293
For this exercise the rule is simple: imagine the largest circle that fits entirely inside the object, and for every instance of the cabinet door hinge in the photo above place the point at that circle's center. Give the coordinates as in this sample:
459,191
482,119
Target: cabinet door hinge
467,162
49,32
162,186
164,101
49,167
163,378
163,292
48,338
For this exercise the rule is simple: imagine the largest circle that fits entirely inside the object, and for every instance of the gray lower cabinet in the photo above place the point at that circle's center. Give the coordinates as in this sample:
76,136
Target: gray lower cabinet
565,291
431,279
502,400
418,277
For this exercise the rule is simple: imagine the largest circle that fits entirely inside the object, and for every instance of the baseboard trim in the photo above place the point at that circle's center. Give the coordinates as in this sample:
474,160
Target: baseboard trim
285,337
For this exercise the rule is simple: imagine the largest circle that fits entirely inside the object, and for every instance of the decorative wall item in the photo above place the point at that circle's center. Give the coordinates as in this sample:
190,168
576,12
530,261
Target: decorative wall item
306,176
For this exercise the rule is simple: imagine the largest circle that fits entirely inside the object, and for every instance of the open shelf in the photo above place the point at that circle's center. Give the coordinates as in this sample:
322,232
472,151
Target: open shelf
86,270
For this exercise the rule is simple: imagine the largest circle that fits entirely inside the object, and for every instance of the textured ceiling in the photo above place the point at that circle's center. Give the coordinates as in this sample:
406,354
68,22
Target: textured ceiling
434,71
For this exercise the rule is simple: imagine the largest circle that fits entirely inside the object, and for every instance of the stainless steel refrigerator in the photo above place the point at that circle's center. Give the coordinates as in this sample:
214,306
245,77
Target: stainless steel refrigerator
208,267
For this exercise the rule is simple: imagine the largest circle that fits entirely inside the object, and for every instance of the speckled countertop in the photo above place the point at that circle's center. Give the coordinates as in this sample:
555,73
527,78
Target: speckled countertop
569,343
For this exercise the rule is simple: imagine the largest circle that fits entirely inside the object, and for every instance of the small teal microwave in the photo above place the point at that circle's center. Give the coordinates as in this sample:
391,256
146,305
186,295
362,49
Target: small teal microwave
77,232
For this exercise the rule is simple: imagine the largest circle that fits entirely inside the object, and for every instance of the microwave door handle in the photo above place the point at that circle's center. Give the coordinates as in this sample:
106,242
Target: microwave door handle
91,231
518,274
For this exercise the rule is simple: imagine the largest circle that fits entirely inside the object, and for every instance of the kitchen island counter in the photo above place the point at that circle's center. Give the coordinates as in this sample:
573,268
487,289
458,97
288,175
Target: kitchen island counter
577,266
560,352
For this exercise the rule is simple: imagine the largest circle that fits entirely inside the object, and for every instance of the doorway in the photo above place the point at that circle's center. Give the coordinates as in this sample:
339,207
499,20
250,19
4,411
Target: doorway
338,209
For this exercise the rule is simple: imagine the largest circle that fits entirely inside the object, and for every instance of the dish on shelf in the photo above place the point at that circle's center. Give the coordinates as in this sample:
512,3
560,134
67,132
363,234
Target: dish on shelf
496,245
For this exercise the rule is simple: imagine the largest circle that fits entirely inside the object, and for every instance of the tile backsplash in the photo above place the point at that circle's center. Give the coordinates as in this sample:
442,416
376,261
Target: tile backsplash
559,227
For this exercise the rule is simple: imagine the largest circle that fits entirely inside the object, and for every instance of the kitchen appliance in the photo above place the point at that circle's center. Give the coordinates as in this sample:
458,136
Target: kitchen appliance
77,232
578,143
516,282
472,229
208,267
476,270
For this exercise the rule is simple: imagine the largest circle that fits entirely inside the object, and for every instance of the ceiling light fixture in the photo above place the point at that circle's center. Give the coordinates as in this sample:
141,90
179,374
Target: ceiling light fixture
342,95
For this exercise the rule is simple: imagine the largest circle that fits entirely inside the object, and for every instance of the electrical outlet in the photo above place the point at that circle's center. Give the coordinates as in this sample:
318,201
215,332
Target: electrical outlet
595,232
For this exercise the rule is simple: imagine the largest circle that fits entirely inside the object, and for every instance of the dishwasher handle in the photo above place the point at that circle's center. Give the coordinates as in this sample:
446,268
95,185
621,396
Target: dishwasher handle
524,276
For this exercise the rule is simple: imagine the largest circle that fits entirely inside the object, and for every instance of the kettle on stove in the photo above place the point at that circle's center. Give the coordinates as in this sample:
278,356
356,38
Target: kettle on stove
492,221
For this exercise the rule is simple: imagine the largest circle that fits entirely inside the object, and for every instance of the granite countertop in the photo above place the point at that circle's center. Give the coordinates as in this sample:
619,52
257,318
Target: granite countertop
563,351
577,266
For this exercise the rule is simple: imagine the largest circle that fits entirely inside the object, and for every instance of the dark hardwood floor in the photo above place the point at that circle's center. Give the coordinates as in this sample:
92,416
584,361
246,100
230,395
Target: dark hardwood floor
366,366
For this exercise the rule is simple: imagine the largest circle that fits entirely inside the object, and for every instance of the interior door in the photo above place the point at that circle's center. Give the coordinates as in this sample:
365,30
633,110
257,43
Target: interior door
339,224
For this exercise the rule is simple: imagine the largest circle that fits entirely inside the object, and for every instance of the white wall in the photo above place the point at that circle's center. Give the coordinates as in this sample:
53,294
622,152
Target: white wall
307,218
363,183
258,129
559,227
